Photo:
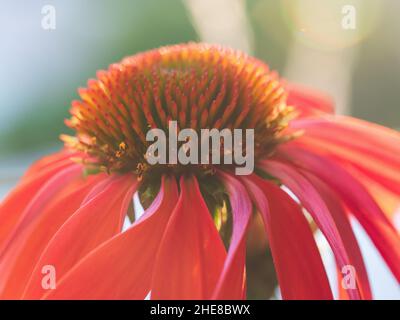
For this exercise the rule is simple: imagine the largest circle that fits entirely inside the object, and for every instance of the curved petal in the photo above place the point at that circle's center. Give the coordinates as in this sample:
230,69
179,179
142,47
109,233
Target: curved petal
191,255
383,136
51,189
48,161
373,150
121,268
356,197
18,261
340,215
231,285
307,101
387,200
332,222
13,206
298,264
91,225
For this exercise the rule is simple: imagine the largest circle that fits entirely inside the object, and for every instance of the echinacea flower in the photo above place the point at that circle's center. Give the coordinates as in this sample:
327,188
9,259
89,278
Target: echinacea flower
190,243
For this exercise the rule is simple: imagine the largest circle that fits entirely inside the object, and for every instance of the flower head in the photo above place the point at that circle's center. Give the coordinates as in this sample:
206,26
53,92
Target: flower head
69,209
198,85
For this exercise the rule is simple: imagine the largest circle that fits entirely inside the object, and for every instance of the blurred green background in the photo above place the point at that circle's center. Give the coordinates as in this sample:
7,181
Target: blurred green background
304,40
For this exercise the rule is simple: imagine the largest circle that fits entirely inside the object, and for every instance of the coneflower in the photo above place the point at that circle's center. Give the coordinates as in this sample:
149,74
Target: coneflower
69,208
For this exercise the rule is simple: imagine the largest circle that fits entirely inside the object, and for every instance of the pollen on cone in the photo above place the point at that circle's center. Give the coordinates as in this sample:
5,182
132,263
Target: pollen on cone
200,86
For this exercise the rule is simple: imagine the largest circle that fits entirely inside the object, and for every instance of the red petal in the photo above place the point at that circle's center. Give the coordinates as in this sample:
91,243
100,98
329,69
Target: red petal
91,225
232,282
191,255
372,149
121,268
308,101
387,200
330,219
48,161
383,136
43,196
33,234
342,220
16,202
298,264
357,198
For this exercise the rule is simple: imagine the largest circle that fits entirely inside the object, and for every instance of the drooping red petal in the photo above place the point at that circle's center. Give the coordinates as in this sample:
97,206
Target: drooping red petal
51,189
121,268
382,136
330,219
49,161
356,197
298,264
387,200
308,101
373,150
16,202
232,282
92,224
191,256
34,232
342,219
